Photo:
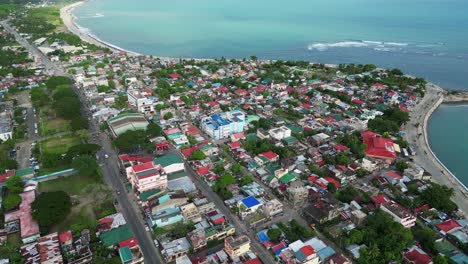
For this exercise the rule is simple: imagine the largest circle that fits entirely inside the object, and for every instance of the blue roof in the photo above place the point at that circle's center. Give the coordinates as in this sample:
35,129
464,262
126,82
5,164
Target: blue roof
277,252
262,236
460,258
326,253
250,201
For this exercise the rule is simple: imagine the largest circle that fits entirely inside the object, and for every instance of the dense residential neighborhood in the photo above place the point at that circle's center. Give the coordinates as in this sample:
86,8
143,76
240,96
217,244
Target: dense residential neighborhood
221,161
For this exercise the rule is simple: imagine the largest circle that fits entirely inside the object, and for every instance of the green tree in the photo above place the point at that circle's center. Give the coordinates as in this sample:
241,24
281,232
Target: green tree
401,166
11,201
438,196
154,130
274,234
168,115
51,208
439,259
331,187
85,165
14,184
198,155
131,140
343,160
426,237
236,168
246,180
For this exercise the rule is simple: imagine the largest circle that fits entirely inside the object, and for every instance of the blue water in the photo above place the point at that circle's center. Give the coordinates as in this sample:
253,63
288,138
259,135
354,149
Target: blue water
422,37
449,140
427,38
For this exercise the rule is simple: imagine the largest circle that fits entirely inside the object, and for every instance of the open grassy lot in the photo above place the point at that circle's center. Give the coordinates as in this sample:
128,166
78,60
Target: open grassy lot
60,145
91,199
5,9
54,126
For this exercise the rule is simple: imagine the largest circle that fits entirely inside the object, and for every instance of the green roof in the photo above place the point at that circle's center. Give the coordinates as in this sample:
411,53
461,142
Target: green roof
290,140
252,136
273,168
24,172
338,117
286,178
125,254
381,107
116,235
251,118
294,128
167,160
145,195
176,175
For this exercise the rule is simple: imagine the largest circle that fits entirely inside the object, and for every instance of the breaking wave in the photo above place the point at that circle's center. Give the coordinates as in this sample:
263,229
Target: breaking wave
323,46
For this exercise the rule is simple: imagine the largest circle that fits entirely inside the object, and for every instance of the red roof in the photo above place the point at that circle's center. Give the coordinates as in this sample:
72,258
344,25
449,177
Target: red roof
269,155
448,225
422,208
335,182
239,135
131,242
203,170
278,246
174,75
240,92
253,261
380,199
5,176
417,256
234,145
340,147
308,250
143,167
378,147
65,236
393,175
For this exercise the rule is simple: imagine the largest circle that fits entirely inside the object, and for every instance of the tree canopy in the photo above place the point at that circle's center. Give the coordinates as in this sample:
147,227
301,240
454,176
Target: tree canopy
438,196
85,165
51,208
198,155
131,140
274,234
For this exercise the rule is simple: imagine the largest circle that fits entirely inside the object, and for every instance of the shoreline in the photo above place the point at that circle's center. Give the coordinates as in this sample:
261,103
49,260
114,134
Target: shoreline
419,118
416,133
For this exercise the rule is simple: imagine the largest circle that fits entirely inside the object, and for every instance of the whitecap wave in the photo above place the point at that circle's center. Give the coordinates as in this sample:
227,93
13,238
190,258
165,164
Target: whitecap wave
98,15
378,45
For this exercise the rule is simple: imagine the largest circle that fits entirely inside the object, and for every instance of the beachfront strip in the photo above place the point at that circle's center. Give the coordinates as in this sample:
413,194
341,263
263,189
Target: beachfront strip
231,159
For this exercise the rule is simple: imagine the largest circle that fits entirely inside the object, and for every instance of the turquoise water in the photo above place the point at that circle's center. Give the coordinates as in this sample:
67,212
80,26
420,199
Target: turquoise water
423,37
449,140
427,38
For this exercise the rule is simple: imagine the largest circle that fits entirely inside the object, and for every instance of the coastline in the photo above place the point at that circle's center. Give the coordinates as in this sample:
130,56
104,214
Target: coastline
416,134
421,114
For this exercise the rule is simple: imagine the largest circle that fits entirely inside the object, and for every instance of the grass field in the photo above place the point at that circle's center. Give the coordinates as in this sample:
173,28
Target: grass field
60,145
91,200
5,9
73,184
54,126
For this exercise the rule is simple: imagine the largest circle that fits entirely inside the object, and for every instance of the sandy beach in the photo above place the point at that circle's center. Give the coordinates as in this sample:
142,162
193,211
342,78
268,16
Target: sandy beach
69,21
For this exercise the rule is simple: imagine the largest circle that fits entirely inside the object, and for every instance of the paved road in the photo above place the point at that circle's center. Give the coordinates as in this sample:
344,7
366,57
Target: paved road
110,167
240,227
415,134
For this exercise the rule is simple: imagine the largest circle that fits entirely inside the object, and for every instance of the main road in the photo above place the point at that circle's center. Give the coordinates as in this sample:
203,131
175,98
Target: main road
109,166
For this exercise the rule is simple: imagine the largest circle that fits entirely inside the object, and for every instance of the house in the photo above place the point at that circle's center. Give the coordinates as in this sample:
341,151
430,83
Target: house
338,259
45,250
197,239
272,208
171,163
127,122
322,207
142,101
416,255
111,221
280,133
378,147
116,235
190,213
223,125
307,255
174,249
22,220
319,139
448,226
248,206
147,176
399,214
392,177
236,247
266,157
166,217
130,255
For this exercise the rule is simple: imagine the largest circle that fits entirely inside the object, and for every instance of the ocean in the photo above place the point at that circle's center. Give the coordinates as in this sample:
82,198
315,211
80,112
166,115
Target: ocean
426,38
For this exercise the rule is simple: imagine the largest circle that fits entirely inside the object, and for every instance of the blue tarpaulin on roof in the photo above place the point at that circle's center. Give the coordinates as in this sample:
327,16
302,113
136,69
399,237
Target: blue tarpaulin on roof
262,236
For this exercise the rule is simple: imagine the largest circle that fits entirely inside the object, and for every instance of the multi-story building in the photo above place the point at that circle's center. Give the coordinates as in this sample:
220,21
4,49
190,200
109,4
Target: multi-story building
399,214
147,176
190,213
6,128
297,193
143,101
222,125
174,249
236,247
280,133
126,122
272,208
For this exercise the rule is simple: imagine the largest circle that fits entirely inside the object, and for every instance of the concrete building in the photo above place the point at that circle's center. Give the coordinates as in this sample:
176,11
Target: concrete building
190,213
297,193
222,125
174,249
6,114
171,163
142,101
248,206
272,208
236,247
280,133
399,214
147,176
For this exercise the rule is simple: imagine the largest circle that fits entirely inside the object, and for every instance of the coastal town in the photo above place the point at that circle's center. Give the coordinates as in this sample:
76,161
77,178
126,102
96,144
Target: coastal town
108,156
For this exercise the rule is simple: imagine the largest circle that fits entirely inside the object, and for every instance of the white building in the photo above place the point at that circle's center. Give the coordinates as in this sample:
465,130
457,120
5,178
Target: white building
399,214
143,102
280,132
